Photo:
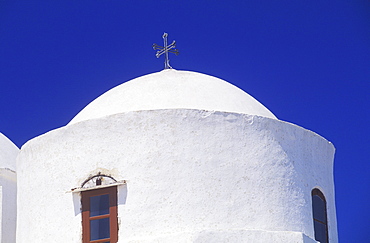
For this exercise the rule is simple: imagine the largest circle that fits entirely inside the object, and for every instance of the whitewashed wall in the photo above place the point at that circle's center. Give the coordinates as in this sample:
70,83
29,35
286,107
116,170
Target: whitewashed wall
8,153
191,175
8,190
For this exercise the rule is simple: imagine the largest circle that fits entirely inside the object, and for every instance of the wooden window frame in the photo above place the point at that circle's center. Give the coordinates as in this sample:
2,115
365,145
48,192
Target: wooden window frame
317,192
113,219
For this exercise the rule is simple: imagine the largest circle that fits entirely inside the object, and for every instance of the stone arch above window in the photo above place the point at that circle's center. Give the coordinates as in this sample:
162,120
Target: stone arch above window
98,180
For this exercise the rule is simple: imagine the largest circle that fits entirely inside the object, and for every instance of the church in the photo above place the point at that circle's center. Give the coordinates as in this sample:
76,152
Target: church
173,156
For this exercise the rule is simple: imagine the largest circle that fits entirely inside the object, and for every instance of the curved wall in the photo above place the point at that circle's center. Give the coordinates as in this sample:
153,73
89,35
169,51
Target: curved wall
8,153
8,190
187,171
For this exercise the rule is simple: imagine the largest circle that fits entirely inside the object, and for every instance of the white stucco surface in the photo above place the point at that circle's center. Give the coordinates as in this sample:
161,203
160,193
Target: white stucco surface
172,89
231,236
8,190
8,153
191,175
8,217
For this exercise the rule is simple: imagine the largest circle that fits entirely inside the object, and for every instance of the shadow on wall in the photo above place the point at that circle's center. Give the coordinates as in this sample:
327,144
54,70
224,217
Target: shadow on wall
122,194
121,198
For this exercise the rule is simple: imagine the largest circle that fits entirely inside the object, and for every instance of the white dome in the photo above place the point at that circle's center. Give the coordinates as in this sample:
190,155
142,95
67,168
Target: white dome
172,89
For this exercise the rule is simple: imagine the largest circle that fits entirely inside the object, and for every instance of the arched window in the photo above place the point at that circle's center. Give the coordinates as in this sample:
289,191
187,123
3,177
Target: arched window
99,210
320,220
99,215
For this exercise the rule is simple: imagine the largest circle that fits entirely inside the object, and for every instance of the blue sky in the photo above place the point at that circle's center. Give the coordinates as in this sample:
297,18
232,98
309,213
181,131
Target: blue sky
307,61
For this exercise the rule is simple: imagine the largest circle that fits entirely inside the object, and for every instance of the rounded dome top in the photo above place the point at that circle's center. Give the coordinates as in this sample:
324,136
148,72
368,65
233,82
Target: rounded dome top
172,89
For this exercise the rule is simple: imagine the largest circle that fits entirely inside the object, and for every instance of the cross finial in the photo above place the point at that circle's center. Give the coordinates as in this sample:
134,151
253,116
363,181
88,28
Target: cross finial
165,50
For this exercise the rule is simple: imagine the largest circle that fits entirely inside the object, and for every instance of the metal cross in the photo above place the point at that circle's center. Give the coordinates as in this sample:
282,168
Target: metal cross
165,50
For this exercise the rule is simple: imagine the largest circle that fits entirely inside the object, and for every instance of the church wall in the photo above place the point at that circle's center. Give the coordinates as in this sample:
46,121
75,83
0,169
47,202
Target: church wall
8,205
239,235
8,190
187,171
8,153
